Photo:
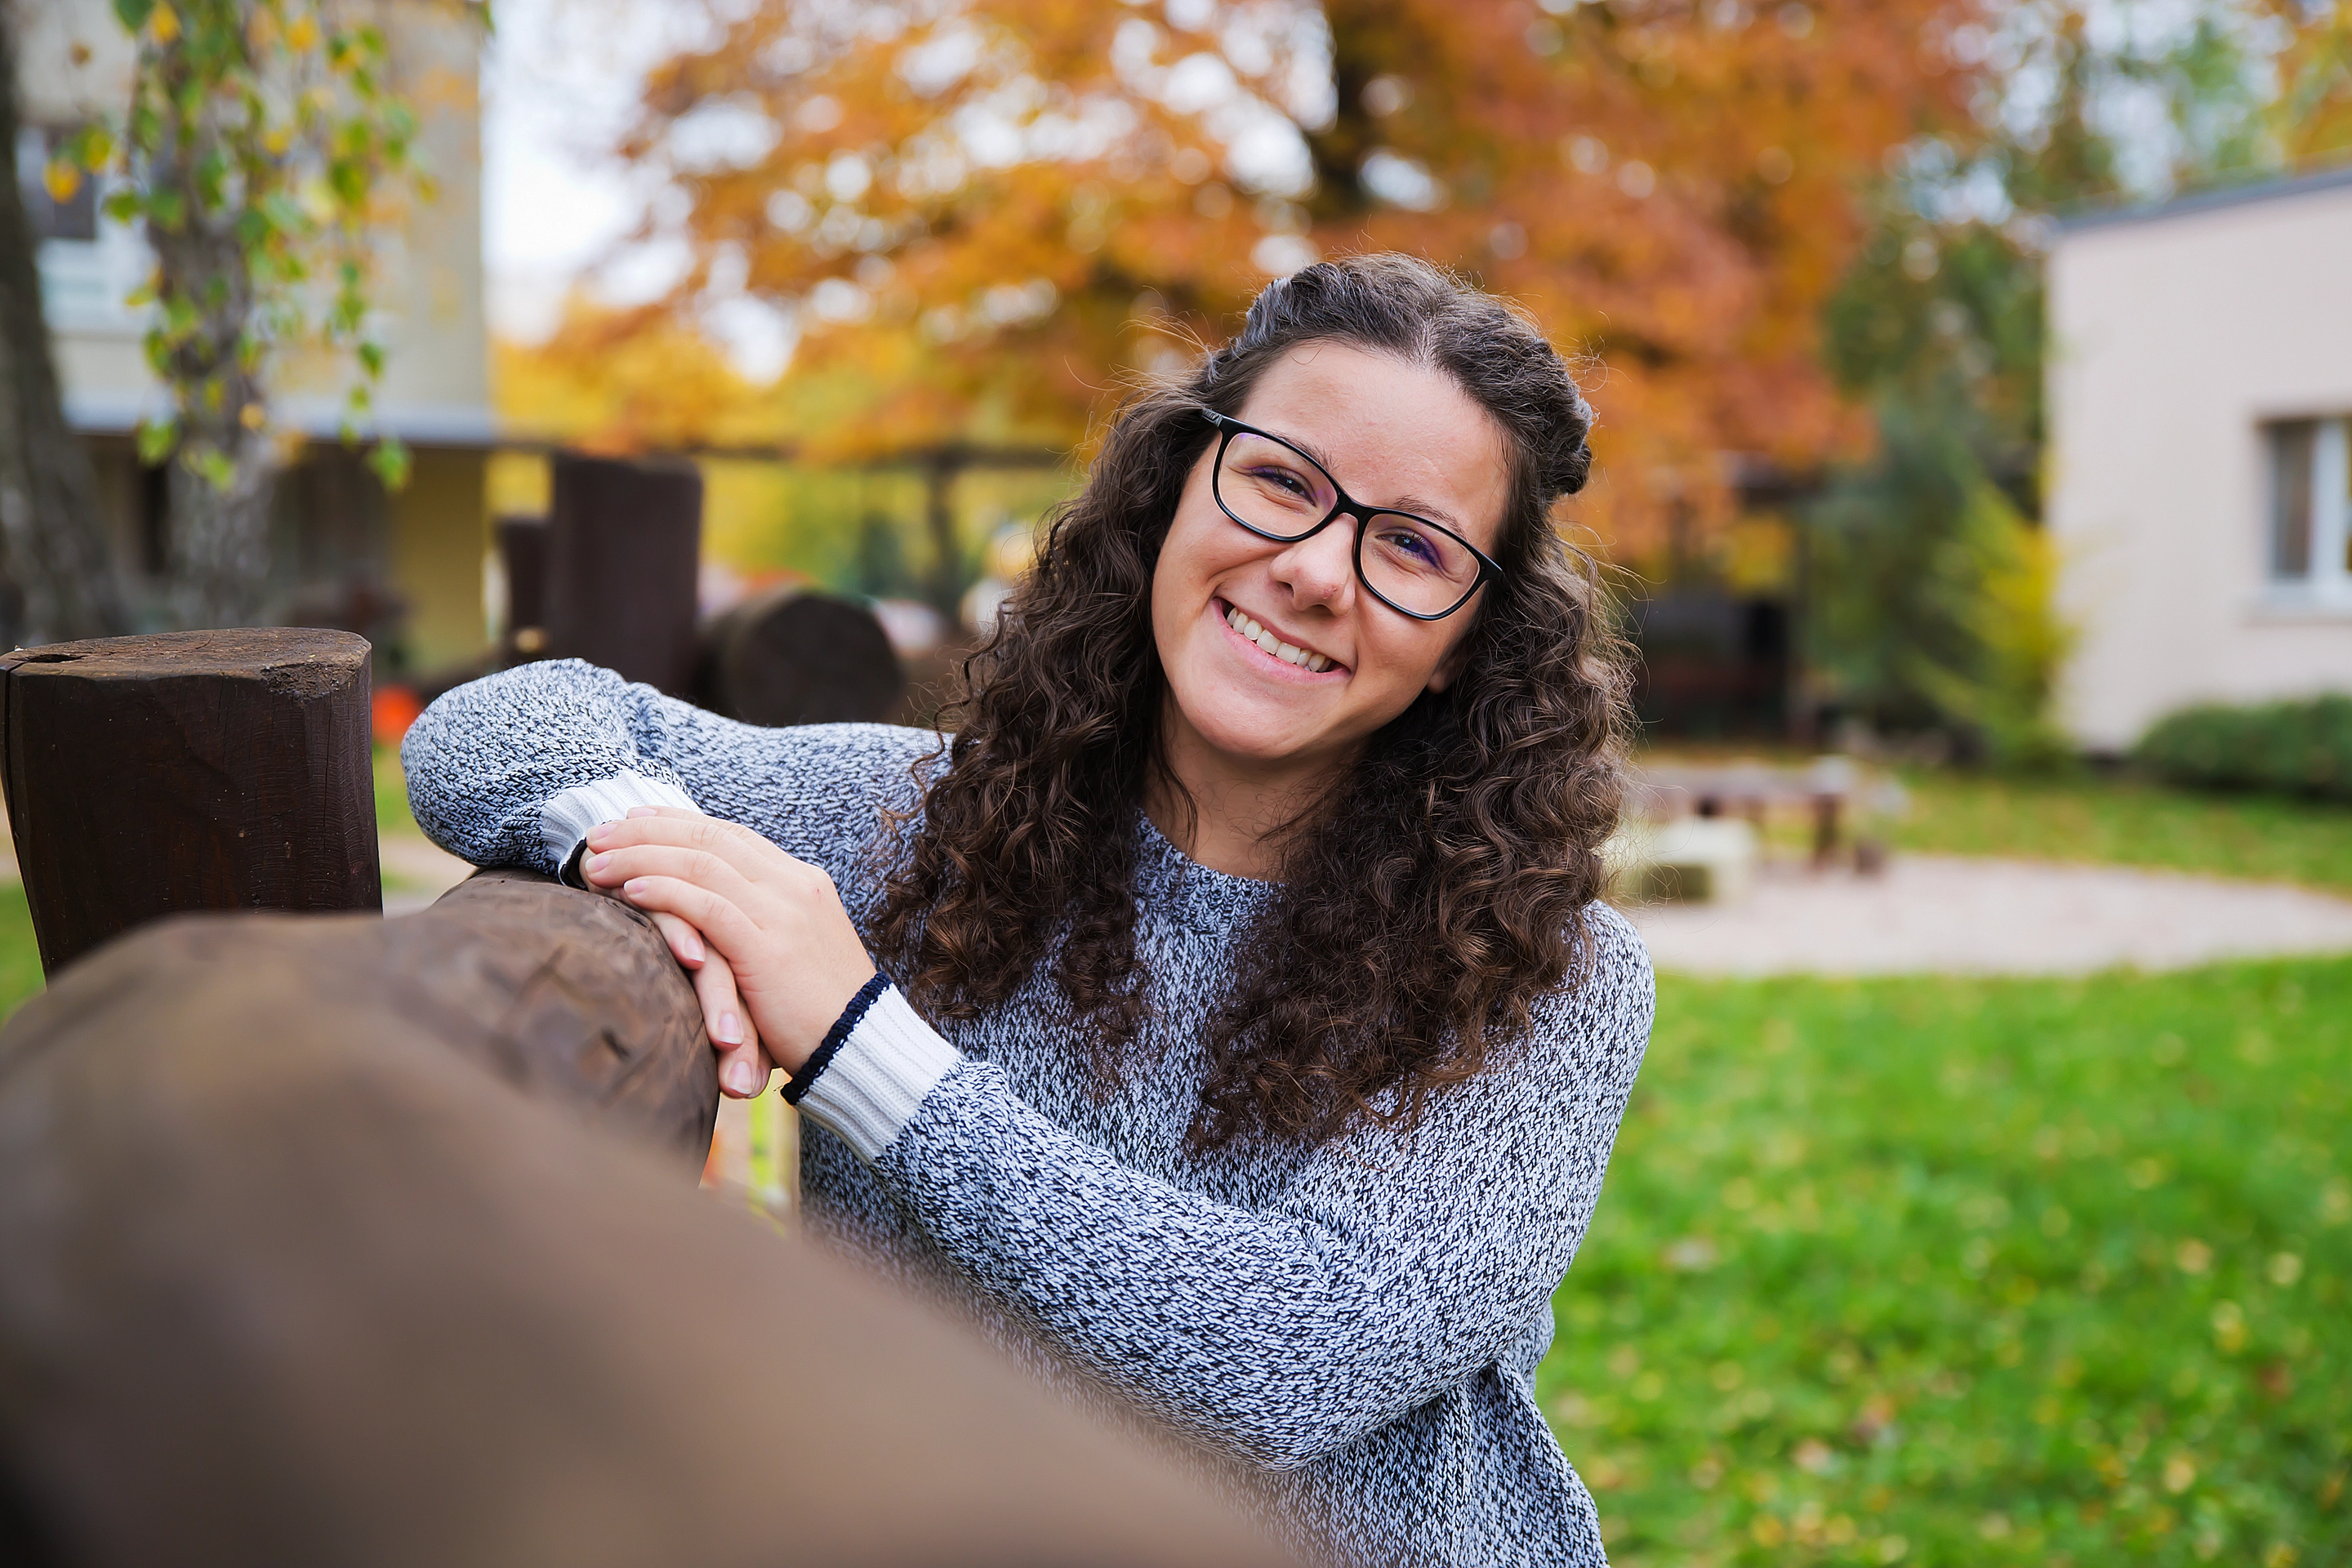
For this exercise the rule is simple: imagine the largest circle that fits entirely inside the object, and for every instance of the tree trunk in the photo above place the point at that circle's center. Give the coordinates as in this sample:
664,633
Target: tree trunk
219,556
51,543
221,481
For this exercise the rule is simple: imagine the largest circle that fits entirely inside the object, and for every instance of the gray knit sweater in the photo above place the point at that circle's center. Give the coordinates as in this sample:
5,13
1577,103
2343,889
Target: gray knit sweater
1354,1329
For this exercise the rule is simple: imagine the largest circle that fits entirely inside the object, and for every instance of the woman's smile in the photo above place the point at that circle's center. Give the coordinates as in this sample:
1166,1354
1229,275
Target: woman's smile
1264,641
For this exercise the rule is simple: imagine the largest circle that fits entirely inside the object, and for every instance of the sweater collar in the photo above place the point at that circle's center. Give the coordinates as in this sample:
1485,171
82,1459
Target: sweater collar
1171,882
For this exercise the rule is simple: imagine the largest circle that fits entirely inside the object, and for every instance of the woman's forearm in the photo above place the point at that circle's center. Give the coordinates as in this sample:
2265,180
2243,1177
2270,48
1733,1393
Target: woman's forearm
485,759
1378,1279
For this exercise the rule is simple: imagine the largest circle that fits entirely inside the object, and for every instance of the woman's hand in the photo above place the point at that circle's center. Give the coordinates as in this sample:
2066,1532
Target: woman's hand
743,1063
775,923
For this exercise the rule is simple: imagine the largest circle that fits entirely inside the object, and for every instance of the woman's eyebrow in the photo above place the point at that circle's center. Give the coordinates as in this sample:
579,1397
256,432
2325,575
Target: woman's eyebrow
1428,508
1408,502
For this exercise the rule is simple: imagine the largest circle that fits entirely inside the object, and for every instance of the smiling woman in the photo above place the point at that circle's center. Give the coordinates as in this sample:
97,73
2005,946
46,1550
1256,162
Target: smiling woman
1256,1045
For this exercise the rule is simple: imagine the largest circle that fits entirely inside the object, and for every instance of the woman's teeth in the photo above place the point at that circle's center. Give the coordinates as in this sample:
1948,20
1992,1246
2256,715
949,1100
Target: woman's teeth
1282,650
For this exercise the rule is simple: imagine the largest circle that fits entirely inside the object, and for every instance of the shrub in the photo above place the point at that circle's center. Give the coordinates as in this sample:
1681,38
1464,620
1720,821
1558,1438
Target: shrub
2286,748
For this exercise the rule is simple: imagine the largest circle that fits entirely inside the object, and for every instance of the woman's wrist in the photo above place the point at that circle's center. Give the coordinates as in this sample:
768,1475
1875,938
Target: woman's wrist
799,1079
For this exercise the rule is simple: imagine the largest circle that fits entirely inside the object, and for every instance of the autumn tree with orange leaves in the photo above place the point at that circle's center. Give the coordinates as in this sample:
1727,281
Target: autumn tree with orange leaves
984,218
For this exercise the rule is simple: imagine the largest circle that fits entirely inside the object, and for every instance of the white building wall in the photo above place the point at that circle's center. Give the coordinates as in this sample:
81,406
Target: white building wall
77,63
2173,337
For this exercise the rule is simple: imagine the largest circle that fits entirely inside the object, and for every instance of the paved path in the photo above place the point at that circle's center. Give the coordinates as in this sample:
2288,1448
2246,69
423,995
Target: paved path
415,872
1923,914
1929,913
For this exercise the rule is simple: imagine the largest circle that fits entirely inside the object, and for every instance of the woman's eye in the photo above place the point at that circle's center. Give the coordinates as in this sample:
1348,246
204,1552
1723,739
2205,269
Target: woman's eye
1285,480
1412,544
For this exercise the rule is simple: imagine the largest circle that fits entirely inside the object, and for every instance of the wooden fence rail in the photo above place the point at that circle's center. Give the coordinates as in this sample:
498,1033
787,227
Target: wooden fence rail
338,1240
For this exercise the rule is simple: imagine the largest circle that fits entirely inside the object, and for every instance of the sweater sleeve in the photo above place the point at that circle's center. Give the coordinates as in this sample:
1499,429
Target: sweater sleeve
1385,1271
513,768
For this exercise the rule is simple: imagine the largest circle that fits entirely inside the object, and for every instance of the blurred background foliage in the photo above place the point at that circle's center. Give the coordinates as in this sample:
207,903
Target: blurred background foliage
1799,246
1931,600
2302,748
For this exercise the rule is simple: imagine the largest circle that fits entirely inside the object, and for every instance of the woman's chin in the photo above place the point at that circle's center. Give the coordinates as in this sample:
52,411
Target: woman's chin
1267,743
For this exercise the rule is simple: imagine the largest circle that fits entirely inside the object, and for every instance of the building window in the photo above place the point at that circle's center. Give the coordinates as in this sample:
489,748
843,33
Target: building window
2310,520
76,219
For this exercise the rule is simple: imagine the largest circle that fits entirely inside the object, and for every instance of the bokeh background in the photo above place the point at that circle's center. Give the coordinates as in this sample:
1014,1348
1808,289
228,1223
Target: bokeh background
1974,382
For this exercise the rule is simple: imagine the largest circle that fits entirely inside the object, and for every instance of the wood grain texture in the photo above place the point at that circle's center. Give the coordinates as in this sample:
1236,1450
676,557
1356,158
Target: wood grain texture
788,656
209,769
283,1277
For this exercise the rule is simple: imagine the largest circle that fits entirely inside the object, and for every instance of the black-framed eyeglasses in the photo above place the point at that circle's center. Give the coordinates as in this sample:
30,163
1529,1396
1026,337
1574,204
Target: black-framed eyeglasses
1414,566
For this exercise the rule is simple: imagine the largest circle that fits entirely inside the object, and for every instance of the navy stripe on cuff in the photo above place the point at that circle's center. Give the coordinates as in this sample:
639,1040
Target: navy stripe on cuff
801,1082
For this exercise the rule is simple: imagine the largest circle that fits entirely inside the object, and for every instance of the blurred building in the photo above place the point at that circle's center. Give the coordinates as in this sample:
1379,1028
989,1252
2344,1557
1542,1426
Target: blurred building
405,569
2200,409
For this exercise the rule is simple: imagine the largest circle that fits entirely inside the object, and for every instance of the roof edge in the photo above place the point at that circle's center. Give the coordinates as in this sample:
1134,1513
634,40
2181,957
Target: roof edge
317,418
2261,190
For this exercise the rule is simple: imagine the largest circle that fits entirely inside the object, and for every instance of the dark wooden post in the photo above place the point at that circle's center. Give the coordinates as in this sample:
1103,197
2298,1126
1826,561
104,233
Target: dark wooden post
623,545
219,770
283,1277
790,657
522,555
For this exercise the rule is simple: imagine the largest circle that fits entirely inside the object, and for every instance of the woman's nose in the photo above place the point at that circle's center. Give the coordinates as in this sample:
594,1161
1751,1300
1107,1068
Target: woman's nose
1321,568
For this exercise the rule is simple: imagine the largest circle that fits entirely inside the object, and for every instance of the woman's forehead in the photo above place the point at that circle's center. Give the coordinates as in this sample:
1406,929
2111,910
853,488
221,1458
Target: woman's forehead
1389,429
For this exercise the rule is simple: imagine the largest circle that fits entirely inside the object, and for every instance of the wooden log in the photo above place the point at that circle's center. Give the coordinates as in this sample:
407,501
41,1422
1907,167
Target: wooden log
286,1279
787,657
624,543
213,770
572,997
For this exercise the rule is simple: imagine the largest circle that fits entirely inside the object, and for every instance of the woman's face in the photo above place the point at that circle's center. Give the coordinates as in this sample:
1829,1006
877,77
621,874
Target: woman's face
1391,435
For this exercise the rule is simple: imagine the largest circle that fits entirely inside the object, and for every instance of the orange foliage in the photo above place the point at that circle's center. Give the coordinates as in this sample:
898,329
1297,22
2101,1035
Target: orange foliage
2312,117
986,217
620,381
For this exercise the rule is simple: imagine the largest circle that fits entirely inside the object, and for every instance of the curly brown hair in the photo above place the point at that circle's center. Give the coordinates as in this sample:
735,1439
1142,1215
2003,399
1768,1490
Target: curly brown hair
1437,889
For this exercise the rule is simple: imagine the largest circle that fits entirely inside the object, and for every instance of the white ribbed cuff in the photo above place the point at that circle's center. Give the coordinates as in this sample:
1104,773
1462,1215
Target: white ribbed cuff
564,821
879,1076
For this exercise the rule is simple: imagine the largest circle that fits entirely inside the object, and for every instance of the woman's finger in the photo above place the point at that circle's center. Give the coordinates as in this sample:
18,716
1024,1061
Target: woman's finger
743,1066
752,856
728,933
685,942
607,869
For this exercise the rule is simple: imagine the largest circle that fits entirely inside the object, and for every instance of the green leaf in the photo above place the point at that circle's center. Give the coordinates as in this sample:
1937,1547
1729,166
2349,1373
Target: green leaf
133,14
390,460
211,464
156,439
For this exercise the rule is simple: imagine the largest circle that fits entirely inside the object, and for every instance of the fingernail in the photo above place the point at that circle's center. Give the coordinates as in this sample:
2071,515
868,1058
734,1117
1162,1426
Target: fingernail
742,1079
598,834
644,811
730,1031
588,863
635,887
693,945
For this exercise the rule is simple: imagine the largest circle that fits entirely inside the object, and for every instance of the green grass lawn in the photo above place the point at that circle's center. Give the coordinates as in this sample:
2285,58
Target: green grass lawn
20,957
1963,1272
1946,1273
391,794
2129,823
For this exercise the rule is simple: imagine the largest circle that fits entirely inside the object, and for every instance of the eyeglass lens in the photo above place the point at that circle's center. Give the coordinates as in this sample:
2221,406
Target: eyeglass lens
1274,490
